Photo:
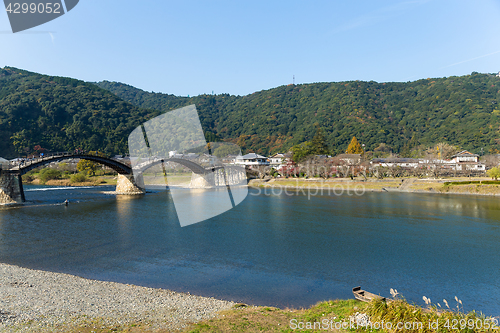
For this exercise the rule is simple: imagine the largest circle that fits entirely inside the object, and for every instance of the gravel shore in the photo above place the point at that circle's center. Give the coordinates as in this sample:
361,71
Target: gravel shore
37,301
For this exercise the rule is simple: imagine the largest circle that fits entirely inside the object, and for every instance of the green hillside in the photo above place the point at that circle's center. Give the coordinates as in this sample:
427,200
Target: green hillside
462,111
63,114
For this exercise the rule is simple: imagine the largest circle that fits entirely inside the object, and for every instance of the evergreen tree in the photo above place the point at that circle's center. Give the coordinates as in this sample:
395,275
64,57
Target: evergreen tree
318,144
301,151
354,147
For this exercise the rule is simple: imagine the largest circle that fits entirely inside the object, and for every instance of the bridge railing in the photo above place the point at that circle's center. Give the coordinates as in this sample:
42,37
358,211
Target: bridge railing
46,156
208,164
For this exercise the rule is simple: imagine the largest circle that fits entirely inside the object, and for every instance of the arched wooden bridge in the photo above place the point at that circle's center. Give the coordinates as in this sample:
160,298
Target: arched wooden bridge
114,164
11,186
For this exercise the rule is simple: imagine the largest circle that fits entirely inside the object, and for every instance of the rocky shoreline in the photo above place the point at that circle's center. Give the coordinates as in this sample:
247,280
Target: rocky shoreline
38,301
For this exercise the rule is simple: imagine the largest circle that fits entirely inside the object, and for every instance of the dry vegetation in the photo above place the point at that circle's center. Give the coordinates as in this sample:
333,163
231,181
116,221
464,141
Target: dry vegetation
268,319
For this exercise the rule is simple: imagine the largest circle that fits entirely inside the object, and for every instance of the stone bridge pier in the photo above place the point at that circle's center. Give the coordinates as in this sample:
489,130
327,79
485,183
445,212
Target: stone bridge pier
126,184
11,188
221,177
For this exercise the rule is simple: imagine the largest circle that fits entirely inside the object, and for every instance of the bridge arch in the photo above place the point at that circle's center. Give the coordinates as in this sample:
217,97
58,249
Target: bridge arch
118,166
194,167
11,187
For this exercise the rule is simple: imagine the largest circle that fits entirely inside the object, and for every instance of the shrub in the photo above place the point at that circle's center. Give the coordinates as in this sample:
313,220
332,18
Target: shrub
491,182
469,182
493,173
48,174
78,178
27,178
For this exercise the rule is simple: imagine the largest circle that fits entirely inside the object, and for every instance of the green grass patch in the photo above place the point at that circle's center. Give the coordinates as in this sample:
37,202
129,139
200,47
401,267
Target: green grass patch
329,316
480,182
269,319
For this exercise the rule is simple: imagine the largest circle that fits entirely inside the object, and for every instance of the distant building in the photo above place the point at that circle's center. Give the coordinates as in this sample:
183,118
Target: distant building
467,161
252,159
190,156
207,158
4,164
465,156
498,75
461,161
395,162
230,159
351,159
277,160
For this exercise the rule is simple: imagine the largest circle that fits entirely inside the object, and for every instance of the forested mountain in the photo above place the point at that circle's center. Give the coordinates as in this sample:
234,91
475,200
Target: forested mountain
462,111
64,114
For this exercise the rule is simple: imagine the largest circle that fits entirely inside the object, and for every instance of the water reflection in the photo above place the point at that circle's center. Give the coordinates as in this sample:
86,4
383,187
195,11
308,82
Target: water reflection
124,218
271,249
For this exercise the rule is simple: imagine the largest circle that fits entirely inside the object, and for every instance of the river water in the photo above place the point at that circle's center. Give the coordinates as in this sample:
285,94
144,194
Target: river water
272,249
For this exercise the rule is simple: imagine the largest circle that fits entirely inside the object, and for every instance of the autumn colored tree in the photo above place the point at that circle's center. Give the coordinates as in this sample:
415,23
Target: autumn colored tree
354,147
442,150
88,166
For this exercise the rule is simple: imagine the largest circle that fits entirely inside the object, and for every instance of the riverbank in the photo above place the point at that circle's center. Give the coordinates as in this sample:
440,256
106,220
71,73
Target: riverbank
39,301
411,185
91,181
338,185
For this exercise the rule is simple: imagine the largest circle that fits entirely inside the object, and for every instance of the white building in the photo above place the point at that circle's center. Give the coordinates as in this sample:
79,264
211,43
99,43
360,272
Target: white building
465,157
277,160
467,161
461,161
229,159
350,159
395,162
251,159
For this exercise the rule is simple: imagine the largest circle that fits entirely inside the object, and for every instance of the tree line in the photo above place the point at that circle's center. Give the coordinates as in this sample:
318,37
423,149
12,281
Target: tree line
399,117
402,118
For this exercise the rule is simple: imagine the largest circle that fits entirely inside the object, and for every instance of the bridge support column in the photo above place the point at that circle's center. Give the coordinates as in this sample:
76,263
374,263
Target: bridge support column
126,185
11,188
202,181
221,177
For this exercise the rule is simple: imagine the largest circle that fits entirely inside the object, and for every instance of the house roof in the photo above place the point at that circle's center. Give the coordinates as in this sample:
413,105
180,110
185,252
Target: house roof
278,155
395,160
250,156
349,156
465,153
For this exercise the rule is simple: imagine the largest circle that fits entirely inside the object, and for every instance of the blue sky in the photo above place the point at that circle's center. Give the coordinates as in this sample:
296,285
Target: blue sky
239,47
